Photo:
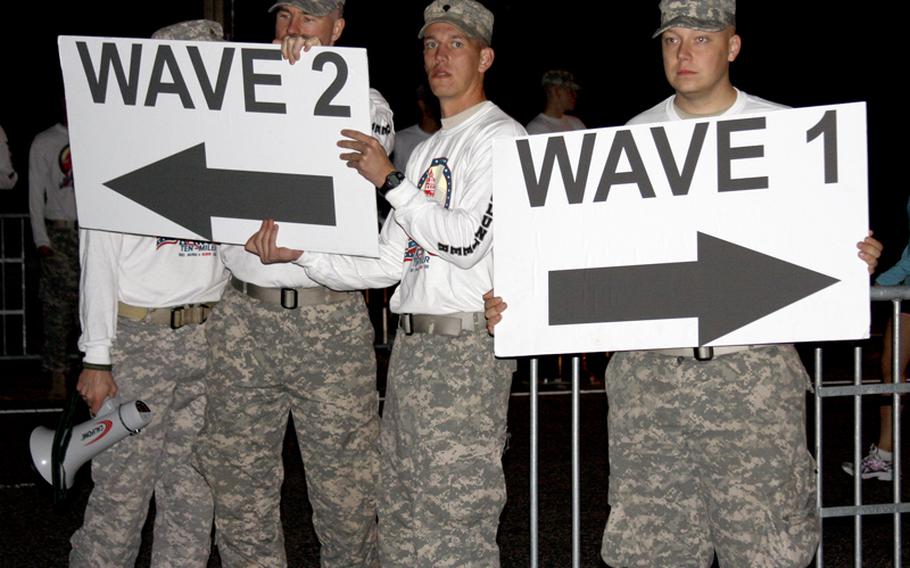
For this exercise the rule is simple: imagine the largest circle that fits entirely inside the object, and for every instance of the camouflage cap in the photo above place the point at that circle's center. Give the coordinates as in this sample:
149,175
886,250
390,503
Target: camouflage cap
312,7
469,16
703,15
559,78
192,30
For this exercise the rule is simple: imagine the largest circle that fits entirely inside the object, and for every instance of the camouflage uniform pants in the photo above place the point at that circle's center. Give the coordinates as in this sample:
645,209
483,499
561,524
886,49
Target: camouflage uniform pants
164,368
442,487
709,456
59,294
318,362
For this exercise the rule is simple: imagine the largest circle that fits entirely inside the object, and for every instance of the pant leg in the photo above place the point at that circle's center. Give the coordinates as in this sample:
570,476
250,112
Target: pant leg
445,420
148,363
239,449
183,500
59,294
749,426
657,516
336,413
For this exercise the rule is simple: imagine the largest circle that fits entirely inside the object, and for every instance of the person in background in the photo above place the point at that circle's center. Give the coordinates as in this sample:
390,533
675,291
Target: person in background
561,91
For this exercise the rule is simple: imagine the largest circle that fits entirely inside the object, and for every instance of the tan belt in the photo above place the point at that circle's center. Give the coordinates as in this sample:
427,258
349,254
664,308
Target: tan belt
60,224
176,317
449,324
290,298
691,351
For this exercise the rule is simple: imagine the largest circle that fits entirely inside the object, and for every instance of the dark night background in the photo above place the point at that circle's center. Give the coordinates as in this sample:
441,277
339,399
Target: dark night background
797,53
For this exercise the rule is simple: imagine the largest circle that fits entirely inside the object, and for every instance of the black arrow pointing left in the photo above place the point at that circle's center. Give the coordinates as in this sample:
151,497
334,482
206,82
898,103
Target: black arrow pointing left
184,190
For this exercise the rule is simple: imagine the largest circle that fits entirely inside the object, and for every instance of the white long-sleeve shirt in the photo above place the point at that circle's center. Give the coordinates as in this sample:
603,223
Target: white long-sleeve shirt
50,181
8,175
147,272
438,241
247,266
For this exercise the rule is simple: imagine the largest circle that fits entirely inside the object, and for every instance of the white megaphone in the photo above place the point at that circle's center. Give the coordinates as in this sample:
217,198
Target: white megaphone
114,422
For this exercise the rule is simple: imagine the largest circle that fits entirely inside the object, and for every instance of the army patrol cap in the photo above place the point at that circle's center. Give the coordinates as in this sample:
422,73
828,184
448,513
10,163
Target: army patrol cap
702,15
559,78
467,15
312,7
192,30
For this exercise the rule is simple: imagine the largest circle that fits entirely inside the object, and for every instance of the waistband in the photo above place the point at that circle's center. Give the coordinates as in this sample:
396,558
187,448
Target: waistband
290,298
61,224
175,317
449,324
702,354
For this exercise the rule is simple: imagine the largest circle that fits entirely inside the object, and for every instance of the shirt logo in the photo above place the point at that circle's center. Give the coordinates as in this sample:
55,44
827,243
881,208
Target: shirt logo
187,248
436,183
65,163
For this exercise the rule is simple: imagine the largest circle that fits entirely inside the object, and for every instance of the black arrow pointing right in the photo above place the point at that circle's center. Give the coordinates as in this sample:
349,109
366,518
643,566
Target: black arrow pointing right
728,287
183,189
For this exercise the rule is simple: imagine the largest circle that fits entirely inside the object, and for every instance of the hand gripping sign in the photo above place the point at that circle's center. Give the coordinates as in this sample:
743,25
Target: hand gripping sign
202,140
724,231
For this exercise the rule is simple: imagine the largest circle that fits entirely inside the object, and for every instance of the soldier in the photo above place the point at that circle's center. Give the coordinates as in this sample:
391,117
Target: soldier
562,93
144,300
444,422
708,456
52,210
282,343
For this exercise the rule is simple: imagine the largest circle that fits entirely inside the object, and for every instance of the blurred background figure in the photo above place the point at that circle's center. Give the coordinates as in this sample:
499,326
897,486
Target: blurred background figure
52,209
879,462
8,175
562,92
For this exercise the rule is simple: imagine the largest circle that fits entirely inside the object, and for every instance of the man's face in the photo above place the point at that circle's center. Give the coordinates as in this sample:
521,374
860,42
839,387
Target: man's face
454,63
696,62
566,98
291,20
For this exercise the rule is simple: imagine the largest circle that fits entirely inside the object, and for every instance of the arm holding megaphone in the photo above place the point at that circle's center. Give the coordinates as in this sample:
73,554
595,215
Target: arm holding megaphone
95,386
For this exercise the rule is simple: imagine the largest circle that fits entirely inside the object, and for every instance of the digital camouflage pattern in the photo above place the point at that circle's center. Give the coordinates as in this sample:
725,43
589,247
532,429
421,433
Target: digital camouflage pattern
312,7
704,15
192,30
59,294
469,16
709,455
164,368
317,362
443,430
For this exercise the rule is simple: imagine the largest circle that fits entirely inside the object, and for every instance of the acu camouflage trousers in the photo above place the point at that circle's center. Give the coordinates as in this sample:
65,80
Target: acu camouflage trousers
164,368
442,487
317,362
59,294
710,456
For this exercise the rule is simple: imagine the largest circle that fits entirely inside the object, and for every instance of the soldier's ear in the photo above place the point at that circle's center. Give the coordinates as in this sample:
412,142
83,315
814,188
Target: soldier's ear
735,44
486,58
337,28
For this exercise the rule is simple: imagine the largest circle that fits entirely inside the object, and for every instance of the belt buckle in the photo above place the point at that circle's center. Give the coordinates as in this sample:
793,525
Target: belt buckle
407,324
289,298
703,353
177,319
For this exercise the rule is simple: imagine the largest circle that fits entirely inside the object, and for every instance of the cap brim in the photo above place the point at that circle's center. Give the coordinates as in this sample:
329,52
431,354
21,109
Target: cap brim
692,24
452,21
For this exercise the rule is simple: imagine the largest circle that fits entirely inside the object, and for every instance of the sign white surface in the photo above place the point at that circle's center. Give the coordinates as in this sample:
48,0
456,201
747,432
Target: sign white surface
727,231
202,140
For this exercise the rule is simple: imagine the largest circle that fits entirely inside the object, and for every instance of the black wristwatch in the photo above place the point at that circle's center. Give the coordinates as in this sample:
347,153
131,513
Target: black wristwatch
392,181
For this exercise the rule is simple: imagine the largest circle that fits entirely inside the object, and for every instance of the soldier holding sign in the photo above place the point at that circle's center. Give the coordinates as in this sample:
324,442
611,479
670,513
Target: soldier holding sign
280,343
707,450
444,423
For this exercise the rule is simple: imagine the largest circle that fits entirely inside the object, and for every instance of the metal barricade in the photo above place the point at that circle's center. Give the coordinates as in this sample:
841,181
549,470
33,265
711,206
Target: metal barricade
14,234
893,294
857,390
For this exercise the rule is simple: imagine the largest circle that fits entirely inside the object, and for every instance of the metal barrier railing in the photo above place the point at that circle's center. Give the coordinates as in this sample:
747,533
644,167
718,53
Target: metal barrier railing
14,231
858,389
893,294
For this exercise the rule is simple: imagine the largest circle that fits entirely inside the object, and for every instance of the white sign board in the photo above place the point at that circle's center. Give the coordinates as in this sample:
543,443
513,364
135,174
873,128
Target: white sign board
202,140
727,231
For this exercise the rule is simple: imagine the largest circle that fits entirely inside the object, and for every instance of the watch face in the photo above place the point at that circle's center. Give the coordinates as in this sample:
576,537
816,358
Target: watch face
393,180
